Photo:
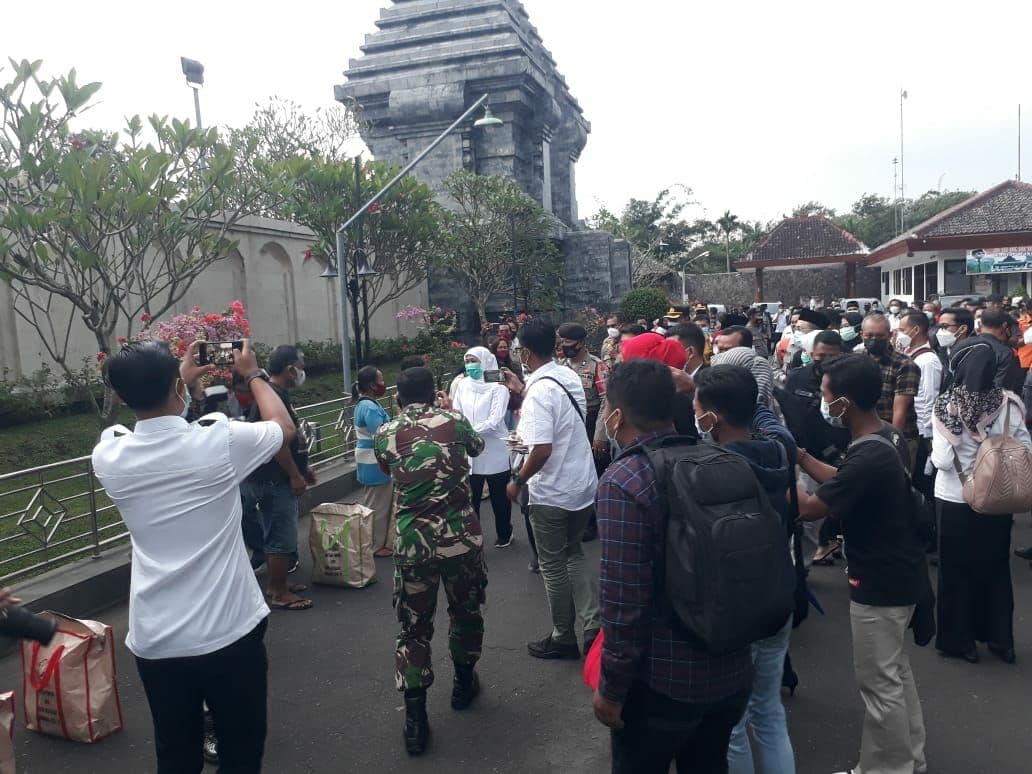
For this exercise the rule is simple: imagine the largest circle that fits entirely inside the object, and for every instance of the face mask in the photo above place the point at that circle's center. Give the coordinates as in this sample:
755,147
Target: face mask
613,332
978,324
245,399
877,347
379,390
903,341
797,338
831,419
807,358
705,330
1027,336
474,371
299,377
185,397
848,333
571,350
945,338
716,349
894,309
930,315
698,426
610,436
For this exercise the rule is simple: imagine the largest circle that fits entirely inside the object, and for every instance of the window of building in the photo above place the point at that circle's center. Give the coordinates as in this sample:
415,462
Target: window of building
908,280
897,281
956,282
885,283
931,278
919,280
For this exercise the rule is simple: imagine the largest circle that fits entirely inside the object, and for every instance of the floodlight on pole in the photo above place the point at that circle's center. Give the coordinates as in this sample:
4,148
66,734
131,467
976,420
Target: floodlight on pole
194,72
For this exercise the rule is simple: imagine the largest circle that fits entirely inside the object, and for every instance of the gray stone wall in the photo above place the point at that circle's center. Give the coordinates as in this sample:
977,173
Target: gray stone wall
789,286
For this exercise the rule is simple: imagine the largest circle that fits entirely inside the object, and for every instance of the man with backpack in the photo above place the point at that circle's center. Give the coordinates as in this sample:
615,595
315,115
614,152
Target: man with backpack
871,494
676,674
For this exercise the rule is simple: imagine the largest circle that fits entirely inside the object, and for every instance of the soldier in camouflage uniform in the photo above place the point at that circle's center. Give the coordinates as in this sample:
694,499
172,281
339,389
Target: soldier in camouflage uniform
439,541
593,374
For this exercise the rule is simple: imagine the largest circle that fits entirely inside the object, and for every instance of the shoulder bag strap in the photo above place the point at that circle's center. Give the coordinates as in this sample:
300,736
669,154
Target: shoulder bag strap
573,400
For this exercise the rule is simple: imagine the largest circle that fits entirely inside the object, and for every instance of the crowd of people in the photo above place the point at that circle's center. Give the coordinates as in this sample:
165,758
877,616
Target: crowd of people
856,433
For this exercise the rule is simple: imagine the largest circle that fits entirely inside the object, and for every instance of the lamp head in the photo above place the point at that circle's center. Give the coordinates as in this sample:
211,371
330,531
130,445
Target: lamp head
489,120
330,272
362,267
193,70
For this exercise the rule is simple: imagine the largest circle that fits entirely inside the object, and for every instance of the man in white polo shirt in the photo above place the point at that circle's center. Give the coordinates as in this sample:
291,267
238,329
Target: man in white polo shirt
197,615
559,472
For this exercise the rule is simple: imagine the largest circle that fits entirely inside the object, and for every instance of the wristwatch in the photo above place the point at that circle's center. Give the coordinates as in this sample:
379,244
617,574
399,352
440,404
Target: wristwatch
261,373
517,480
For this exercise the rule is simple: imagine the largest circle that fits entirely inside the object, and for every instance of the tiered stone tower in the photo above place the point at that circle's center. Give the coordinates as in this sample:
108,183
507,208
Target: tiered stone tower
426,63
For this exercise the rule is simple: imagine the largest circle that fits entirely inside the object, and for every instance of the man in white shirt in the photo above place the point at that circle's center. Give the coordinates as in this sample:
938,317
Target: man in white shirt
912,339
559,473
197,615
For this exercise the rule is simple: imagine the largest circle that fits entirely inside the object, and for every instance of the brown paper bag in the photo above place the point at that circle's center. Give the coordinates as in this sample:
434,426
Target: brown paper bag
341,540
7,733
71,689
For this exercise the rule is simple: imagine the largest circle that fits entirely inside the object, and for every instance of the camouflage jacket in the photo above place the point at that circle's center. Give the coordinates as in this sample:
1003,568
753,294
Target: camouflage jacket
593,374
425,449
610,353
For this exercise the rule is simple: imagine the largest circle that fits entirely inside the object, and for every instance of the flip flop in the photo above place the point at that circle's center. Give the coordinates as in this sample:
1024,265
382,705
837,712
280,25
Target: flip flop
381,553
297,604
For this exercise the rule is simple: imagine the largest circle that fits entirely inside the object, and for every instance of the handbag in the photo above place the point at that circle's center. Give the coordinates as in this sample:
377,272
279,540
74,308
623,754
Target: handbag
70,685
1000,482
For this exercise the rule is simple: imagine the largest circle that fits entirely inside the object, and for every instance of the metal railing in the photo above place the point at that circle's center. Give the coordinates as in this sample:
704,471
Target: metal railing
52,514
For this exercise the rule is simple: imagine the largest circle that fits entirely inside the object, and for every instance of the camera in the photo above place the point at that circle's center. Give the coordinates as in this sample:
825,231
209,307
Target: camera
19,622
494,376
219,353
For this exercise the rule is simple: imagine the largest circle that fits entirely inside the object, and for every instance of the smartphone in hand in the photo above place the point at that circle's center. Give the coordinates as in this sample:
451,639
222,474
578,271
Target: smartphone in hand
219,353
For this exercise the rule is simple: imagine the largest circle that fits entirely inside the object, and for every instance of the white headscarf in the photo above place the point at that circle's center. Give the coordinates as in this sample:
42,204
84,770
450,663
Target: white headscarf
489,363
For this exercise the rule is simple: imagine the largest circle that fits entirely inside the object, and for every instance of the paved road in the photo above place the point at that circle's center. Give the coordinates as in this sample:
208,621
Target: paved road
333,708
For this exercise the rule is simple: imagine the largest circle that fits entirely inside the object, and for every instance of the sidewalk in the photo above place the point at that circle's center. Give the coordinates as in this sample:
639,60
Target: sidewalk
334,710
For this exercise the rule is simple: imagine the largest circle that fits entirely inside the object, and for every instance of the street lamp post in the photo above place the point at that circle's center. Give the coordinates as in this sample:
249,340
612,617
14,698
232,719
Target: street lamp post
684,288
341,271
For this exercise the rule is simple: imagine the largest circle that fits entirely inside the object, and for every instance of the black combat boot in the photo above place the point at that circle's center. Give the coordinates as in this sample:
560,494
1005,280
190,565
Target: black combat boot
417,727
465,688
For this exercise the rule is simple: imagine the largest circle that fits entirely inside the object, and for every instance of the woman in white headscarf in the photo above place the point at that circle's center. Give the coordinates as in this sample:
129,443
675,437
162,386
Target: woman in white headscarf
484,404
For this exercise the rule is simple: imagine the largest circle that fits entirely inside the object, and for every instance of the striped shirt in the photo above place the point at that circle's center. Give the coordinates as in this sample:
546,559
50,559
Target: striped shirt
643,642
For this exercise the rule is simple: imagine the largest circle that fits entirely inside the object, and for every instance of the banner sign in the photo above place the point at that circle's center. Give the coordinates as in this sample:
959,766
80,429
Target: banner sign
999,260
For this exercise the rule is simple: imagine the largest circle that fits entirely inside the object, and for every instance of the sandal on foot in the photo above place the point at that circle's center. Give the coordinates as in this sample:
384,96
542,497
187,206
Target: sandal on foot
295,604
383,553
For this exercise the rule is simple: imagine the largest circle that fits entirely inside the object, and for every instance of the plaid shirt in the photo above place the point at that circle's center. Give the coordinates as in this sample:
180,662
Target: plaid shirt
642,640
900,376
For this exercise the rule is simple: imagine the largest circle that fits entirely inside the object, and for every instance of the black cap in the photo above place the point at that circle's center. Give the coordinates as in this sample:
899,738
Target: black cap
572,331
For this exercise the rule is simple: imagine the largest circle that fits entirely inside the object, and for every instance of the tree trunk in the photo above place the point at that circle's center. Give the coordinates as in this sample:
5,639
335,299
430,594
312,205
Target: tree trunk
482,313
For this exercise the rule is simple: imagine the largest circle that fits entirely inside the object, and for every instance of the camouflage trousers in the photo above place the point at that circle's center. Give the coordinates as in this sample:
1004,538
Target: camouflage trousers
415,597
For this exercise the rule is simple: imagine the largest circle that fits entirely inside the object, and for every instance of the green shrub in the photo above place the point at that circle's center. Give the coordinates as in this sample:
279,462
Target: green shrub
1018,291
644,303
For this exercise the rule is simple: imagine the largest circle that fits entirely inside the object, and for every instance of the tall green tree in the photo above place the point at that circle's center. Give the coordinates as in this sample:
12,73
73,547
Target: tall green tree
100,229
400,233
874,220
491,221
728,224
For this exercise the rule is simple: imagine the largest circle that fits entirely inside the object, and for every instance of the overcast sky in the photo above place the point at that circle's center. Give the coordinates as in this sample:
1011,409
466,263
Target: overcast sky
756,106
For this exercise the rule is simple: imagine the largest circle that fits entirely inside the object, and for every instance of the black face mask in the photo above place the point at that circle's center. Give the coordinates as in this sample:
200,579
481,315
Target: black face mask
877,347
571,350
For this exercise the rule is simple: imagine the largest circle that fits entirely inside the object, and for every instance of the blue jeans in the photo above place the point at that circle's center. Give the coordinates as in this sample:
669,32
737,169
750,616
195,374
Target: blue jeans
272,505
764,715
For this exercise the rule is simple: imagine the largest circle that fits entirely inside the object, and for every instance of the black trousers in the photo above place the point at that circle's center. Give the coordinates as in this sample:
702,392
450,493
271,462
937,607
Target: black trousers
500,503
976,598
659,731
234,683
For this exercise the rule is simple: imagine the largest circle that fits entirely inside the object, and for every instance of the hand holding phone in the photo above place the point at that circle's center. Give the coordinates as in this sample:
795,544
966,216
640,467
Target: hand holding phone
218,353
494,377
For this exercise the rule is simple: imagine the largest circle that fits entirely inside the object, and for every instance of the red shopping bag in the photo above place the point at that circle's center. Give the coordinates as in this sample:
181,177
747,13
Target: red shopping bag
593,663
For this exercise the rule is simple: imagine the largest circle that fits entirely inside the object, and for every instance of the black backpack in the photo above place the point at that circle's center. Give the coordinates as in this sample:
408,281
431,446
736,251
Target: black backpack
727,573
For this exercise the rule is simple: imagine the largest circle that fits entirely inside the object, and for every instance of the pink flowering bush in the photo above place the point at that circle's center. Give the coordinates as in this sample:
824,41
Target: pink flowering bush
181,331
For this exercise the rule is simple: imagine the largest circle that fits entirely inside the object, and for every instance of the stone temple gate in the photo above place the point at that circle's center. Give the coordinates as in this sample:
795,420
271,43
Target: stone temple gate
431,59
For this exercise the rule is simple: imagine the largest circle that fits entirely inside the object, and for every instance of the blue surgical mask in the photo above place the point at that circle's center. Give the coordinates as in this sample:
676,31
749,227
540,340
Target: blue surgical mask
706,434
848,333
807,358
474,371
831,419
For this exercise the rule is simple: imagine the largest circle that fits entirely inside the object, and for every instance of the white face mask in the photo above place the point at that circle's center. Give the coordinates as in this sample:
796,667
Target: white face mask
698,426
945,338
613,332
185,397
894,309
299,377
831,419
848,333
903,341
930,315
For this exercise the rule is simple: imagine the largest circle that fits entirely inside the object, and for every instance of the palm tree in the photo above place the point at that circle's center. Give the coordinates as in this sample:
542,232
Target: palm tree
728,223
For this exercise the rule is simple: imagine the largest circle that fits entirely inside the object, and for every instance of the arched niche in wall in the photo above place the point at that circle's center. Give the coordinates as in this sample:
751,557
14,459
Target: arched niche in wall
219,284
273,311
319,316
